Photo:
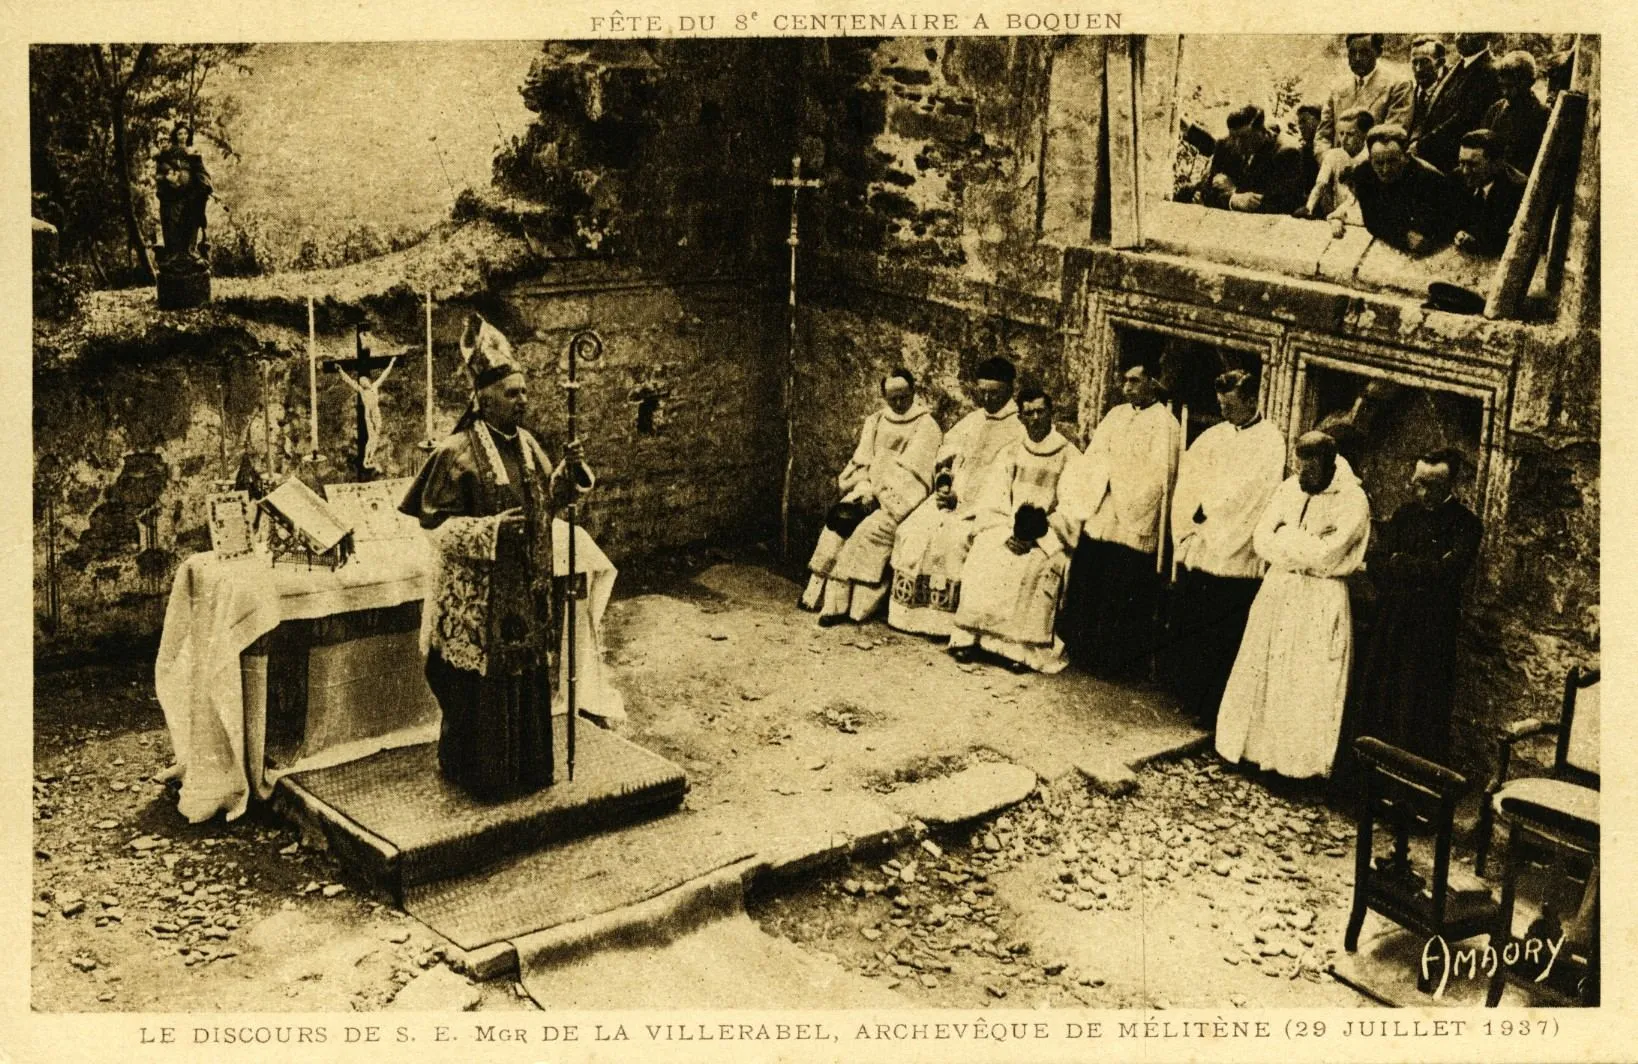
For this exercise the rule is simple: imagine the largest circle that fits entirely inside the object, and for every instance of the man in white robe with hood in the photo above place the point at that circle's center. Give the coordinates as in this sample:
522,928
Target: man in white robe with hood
1223,486
1118,492
931,545
888,476
1283,706
1013,581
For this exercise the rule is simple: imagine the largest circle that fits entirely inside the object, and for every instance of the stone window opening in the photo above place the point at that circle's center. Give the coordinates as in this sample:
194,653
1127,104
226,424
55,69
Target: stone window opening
649,414
647,407
1188,368
1177,95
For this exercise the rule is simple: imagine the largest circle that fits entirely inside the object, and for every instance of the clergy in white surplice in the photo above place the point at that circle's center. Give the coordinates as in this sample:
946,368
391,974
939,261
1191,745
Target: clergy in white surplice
1283,706
1013,581
1118,491
890,473
931,544
1223,485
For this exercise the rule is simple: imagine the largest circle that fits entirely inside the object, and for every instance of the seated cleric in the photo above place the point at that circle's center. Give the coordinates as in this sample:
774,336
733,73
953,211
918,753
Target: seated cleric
487,495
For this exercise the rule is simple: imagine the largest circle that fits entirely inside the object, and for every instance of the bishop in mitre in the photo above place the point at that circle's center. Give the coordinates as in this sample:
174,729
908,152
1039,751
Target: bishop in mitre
487,496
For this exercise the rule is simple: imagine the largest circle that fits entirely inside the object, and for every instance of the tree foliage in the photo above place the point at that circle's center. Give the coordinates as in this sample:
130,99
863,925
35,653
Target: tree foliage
98,114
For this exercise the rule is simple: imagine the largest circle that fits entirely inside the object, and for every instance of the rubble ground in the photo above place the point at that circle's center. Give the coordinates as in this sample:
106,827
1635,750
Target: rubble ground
789,735
136,910
1200,888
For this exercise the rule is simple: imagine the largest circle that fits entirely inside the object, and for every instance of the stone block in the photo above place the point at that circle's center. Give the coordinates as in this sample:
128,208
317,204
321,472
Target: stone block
1110,777
1387,269
436,990
1340,258
1171,227
1290,246
498,960
970,794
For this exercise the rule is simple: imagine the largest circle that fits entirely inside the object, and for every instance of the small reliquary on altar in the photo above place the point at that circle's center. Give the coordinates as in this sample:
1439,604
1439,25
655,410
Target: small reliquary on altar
303,530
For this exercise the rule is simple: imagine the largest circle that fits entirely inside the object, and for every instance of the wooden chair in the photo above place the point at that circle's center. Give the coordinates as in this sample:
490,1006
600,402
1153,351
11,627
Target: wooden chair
1567,844
1413,795
1571,787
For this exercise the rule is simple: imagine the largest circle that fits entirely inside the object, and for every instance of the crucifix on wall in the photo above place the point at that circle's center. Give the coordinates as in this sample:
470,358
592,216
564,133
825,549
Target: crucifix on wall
360,374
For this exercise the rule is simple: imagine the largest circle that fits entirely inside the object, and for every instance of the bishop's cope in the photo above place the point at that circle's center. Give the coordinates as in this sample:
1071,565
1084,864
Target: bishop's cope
487,495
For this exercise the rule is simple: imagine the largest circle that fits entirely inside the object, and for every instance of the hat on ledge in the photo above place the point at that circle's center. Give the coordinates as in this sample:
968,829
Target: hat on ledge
1453,298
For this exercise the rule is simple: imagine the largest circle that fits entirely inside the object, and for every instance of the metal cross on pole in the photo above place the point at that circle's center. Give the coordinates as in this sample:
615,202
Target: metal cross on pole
796,183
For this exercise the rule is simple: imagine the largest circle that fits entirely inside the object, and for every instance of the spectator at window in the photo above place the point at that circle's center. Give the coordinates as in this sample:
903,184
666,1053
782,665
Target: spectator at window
1459,103
1381,88
1307,127
1330,196
1427,71
1517,121
1494,191
1404,201
1254,169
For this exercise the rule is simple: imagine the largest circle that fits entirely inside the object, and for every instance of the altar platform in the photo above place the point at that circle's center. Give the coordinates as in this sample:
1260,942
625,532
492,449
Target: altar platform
394,820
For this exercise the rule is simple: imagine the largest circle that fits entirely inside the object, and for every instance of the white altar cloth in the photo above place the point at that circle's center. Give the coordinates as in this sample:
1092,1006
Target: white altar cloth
214,695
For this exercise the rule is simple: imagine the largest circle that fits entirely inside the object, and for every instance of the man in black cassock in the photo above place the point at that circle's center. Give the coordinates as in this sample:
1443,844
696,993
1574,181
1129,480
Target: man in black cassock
1418,563
487,495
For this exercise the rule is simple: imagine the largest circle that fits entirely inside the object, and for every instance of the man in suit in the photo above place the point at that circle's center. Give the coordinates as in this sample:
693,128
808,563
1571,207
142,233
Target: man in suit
1254,168
1381,88
1459,103
1494,191
1427,70
1403,201
1518,120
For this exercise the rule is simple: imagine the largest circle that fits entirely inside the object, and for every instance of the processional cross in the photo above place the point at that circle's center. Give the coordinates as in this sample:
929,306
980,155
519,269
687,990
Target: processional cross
796,183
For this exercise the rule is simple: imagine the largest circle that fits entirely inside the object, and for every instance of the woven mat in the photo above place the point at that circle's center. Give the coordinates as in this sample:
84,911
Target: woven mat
440,831
576,880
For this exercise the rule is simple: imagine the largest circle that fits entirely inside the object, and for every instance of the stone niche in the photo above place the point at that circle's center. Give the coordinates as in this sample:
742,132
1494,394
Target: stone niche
1398,401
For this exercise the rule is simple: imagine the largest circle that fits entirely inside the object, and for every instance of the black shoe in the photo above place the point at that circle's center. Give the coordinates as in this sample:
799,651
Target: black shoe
1017,668
831,620
963,655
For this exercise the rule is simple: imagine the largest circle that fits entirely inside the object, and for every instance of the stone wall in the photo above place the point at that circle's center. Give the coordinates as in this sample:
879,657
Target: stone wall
679,418
637,202
966,197
924,247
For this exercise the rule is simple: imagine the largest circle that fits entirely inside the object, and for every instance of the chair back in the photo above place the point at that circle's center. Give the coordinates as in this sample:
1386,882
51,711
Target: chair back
1578,740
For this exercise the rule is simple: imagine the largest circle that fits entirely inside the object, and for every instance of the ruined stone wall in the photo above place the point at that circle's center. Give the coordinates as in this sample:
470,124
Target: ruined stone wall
639,195
924,248
679,420
1537,601
956,174
679,416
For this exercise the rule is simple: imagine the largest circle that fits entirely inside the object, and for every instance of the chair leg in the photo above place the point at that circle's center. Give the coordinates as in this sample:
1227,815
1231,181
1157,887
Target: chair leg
1356,920
1481,849
1503,934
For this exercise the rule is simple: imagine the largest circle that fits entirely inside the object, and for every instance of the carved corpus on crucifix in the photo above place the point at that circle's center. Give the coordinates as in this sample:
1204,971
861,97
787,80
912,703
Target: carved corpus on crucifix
366,388
796,184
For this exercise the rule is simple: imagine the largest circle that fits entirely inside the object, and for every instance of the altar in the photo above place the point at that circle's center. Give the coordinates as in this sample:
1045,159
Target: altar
267,670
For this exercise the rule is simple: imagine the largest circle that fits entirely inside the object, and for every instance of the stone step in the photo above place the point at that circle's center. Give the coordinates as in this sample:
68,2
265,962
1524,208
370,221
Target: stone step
393,819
